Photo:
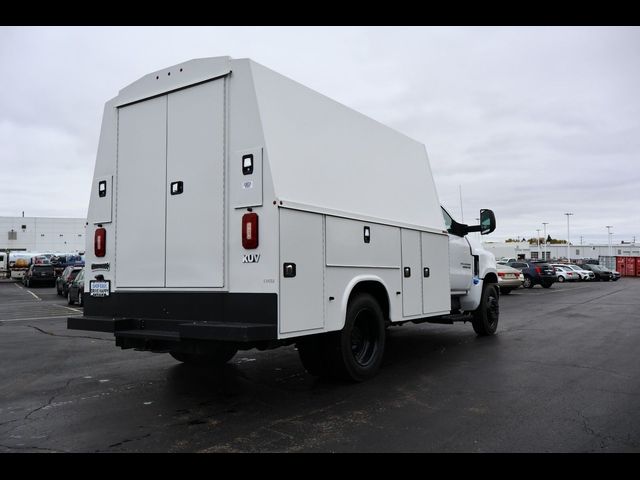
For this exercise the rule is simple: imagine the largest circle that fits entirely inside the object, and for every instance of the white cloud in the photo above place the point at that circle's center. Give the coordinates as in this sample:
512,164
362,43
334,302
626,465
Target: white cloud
532,122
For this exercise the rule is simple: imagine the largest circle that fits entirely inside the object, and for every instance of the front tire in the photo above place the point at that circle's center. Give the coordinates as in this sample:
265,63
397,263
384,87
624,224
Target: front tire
528,282
355,353
561,279
486,316
505,291
70,300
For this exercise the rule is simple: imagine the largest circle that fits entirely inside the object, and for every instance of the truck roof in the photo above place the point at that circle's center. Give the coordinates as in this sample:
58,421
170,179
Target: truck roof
321,155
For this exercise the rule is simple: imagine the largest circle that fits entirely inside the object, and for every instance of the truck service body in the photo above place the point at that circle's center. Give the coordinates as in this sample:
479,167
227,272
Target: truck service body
313,224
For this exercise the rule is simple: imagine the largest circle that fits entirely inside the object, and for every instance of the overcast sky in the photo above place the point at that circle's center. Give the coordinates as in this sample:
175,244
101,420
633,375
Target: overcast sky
530,122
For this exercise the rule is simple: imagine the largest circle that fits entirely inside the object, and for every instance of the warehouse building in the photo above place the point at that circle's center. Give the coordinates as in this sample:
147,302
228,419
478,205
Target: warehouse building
522,250
42,234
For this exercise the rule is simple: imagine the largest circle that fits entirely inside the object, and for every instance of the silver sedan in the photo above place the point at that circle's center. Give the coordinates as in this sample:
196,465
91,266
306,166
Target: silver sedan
508,278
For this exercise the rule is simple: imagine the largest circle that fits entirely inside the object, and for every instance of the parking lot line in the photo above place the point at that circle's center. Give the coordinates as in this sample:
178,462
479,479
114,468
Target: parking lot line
35,318
70,308
37,297
29,291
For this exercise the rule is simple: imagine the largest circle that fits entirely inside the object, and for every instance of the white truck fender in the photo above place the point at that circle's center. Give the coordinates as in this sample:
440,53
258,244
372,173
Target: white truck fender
349,289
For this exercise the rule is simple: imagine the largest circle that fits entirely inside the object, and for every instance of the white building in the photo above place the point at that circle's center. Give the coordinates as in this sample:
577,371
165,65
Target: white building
577,252
42,234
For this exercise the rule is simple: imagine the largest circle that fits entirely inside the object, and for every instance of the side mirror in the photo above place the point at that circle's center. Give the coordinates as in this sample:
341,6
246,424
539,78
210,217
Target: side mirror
487,221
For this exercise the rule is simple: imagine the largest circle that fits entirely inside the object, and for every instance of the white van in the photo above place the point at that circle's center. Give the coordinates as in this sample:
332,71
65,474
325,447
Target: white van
4,264
313,225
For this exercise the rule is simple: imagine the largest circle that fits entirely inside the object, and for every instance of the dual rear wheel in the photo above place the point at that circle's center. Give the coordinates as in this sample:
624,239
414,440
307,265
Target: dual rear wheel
218,354
353,353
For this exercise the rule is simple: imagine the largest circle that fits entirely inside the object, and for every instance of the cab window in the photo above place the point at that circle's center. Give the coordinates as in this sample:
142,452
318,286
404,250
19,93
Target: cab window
448,221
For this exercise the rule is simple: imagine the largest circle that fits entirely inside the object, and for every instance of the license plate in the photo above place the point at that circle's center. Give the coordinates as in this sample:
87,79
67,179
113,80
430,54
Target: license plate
509,275
99,288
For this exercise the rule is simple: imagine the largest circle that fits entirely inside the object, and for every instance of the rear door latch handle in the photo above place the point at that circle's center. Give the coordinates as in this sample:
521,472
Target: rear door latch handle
177,188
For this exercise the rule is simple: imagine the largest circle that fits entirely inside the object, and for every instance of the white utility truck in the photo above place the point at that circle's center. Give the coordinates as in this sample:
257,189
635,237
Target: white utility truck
314,225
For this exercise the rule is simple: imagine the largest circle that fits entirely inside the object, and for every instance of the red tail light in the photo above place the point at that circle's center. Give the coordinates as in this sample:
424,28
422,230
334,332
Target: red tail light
250,231
100,242
501,274
538,270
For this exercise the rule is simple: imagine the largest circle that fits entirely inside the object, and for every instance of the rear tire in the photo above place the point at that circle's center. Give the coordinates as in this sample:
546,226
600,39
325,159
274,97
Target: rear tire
70,300
221,355
546,285
79,299
561,279
355,353
505,291
486,316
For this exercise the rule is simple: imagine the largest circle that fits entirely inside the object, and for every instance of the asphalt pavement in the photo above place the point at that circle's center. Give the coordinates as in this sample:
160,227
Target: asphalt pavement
560,375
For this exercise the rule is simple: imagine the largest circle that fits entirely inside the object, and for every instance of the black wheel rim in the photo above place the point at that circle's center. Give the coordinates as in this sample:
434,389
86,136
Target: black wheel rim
364,338
493,310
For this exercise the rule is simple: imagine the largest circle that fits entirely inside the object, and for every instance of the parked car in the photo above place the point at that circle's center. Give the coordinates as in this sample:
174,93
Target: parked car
564,273
602,274
584,274
509,278
63,281
616,275
535,273
76,289
39,274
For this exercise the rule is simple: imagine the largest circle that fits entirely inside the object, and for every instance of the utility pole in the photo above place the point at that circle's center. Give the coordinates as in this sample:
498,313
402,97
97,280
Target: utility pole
545,239
461,211
609,227
568,238
538,238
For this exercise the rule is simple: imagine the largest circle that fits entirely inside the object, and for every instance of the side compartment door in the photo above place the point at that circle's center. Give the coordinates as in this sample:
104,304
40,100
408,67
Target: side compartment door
436,292
411,273
302,285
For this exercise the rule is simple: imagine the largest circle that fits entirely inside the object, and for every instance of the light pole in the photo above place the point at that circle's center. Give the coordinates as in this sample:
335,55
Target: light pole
568,241
538,230
544,240
609,227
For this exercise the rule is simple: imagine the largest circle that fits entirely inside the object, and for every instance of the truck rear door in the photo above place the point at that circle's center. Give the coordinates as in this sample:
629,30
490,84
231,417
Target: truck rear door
170,190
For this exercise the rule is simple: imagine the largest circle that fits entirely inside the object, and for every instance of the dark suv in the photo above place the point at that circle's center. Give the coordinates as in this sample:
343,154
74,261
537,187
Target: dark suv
39,274
602,274
535,273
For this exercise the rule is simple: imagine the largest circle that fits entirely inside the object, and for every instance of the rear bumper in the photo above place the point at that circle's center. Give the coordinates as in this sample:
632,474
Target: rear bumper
509,283
174,317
